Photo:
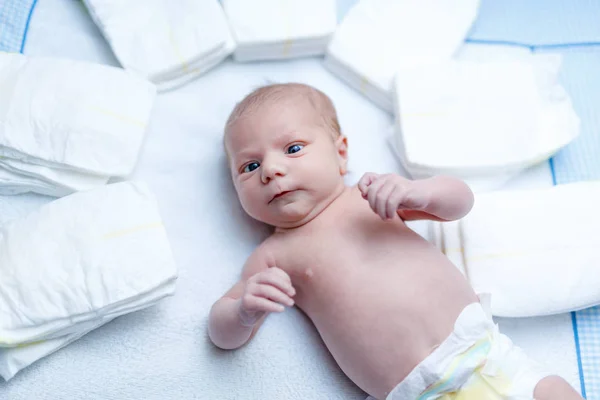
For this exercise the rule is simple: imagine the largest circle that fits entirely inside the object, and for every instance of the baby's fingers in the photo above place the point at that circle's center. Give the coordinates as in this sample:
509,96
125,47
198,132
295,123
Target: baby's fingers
274,294
365,181
255,304
382,200
278,278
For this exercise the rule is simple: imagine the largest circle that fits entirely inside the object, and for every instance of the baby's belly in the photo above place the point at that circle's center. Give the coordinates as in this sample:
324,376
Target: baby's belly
380,321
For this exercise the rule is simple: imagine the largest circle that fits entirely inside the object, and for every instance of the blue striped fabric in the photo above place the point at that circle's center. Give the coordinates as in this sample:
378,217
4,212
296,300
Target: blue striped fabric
14,21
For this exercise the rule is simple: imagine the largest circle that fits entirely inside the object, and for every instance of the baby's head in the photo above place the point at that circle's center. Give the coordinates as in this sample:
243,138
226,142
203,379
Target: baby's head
286,153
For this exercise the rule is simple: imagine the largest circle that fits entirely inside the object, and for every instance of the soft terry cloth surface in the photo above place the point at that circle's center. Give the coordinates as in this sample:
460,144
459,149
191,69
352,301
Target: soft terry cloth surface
163,352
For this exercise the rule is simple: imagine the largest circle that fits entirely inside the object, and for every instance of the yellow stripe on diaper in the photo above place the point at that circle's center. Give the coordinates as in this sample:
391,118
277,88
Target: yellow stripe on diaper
475,355
20,346
120,117
135,229
363,84
287,47
184,65
451,250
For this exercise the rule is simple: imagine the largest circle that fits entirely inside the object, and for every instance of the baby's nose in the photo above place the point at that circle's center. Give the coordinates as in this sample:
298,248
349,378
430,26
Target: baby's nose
271,169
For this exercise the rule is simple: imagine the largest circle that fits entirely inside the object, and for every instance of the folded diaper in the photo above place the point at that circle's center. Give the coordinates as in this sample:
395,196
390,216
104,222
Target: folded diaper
378,37
280,29
474,362
534,251
62,180
170,42
68,125
13,183
480,119
14,359
98,254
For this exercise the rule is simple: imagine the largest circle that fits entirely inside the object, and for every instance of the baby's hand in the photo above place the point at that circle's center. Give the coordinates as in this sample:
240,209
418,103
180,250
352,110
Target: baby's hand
267,291
388,193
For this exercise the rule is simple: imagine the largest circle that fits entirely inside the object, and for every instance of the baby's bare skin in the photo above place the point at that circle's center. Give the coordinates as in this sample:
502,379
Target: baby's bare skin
383,303
381,296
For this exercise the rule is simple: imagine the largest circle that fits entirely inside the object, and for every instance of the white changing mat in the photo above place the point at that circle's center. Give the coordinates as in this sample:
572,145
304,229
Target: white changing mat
377,37
482,118
280,29
68,114
164,352
534,251
168,41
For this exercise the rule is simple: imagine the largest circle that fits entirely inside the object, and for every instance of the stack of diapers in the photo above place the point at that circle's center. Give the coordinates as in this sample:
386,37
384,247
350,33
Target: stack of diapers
280,29
534,251
67,125
482,116
75,264
378,37
170,42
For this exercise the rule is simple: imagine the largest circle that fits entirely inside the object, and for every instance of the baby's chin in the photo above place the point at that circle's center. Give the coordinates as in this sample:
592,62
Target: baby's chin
289,215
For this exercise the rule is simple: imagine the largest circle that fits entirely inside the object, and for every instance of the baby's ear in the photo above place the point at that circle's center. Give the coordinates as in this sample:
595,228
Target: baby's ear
341,145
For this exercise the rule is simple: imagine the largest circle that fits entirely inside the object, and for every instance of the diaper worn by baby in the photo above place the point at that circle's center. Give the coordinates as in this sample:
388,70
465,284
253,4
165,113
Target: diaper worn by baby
476,362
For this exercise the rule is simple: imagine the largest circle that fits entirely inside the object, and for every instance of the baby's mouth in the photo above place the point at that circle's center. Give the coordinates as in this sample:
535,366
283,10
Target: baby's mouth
278,195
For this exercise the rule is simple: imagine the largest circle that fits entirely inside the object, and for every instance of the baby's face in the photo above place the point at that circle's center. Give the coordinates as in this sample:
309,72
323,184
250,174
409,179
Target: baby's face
284,164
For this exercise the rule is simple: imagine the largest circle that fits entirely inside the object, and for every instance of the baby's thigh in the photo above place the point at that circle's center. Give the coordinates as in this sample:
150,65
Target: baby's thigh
555,388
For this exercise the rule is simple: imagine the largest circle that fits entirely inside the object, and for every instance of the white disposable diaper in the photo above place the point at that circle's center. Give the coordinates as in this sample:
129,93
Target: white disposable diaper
68,125
14,359
479,119
279,29
475,362
535,251
168,41
64,180
378,37
98,254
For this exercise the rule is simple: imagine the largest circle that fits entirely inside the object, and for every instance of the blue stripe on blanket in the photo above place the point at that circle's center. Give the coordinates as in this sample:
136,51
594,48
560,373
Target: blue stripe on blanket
14,21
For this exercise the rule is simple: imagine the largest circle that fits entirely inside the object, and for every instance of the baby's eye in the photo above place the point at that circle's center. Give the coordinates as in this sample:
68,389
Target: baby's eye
251,167
294,148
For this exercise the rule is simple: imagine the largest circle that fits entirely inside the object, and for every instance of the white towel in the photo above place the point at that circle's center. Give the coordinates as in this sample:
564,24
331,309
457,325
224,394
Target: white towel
534,251
98,254
478,119
168,41
68,125
280,29
377,37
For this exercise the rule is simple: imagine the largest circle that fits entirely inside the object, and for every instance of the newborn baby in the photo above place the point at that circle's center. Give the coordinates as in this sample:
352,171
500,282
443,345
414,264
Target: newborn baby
400,320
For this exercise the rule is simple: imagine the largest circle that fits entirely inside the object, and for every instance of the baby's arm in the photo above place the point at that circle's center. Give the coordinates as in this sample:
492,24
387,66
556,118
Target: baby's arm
236,316
441,198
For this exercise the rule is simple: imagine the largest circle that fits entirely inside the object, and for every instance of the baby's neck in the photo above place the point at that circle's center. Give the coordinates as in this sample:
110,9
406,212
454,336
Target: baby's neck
317,210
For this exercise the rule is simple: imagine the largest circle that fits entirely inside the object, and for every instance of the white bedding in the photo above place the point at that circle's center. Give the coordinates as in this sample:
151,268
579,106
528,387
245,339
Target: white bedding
163,352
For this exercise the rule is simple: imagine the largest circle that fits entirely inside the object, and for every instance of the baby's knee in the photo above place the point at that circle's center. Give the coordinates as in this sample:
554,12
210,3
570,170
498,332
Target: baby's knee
555,388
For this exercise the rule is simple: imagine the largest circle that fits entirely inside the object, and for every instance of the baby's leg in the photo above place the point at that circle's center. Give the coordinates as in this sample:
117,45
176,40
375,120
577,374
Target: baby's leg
555,388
